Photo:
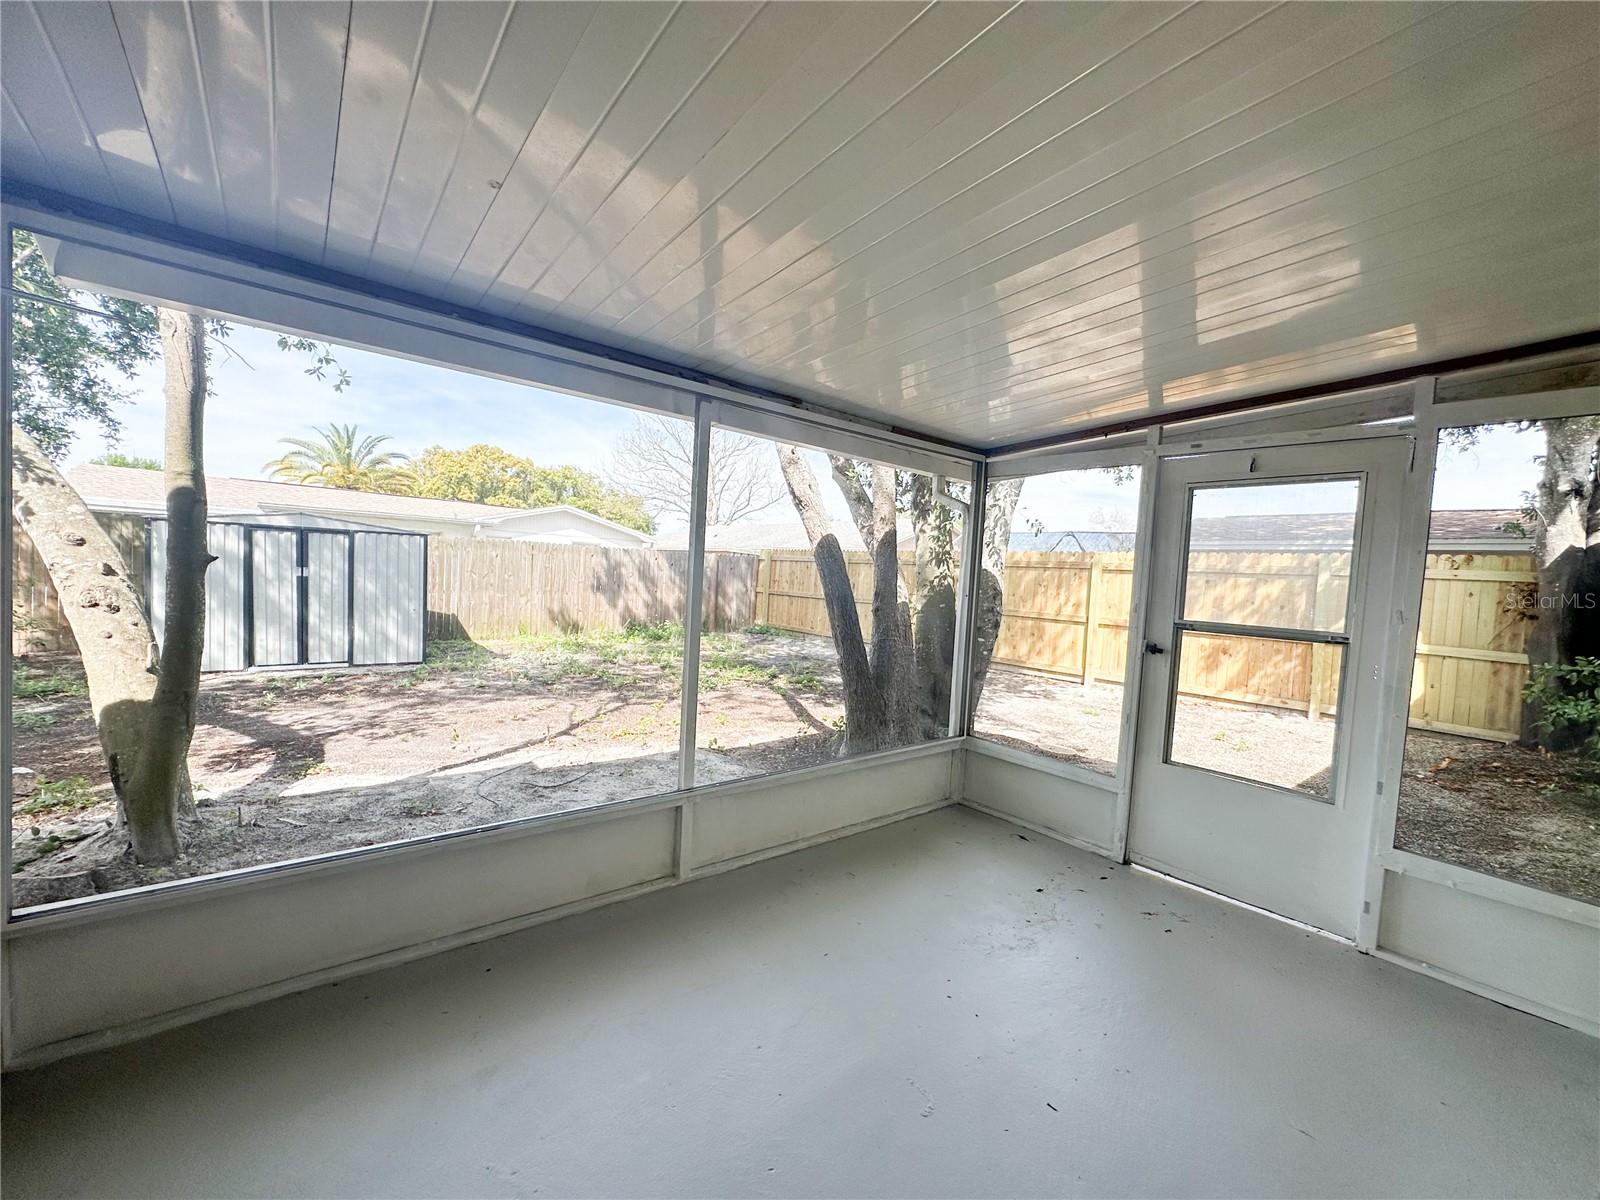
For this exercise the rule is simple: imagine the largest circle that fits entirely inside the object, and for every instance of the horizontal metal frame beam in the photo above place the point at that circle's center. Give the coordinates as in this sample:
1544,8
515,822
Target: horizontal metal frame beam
1271,633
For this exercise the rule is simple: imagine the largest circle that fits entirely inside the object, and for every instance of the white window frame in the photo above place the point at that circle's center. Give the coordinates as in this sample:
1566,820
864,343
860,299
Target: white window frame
1120,781
1416,516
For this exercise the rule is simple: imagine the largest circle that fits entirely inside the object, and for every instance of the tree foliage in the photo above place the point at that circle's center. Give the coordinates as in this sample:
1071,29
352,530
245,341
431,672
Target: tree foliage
73,355
488,474
69,367
135,461
341,457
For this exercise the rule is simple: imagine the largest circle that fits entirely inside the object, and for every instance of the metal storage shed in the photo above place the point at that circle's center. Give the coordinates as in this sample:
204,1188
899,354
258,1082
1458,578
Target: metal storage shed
293,589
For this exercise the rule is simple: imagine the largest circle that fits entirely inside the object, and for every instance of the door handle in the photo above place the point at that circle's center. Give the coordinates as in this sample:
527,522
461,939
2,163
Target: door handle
1152,648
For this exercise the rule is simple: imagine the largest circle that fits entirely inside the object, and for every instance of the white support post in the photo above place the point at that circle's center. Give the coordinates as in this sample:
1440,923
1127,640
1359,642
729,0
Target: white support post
1133,665
1411,553
693,616
8,584
961,660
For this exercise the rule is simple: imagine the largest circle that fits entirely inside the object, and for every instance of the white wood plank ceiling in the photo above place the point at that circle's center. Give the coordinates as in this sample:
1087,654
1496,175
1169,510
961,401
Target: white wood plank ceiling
991,222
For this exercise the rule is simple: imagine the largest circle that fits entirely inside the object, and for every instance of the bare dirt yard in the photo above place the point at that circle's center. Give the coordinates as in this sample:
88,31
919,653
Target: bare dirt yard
1520,814
292,764
1504,810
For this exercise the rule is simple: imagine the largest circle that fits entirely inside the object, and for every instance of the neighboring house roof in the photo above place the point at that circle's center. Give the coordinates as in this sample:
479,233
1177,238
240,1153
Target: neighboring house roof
129,489
755,536
297,520
1081,541
1477,528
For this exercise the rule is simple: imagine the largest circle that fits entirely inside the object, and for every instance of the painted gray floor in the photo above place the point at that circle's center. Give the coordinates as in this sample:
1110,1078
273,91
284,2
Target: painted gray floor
942,1007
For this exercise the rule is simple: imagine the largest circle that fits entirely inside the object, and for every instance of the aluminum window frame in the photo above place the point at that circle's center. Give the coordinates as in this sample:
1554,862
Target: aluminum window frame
1312,637
155,269
267,290
781,430
1416,514
1057,462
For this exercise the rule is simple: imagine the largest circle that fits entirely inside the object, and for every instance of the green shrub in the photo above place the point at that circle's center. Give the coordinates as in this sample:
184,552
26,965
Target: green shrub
1569,698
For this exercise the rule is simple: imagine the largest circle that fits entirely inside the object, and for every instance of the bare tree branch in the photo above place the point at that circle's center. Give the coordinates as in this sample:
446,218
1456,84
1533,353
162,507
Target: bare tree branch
655,459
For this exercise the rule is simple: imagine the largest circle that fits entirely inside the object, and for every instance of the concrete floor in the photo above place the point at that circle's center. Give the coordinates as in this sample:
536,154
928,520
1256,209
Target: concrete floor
942,1007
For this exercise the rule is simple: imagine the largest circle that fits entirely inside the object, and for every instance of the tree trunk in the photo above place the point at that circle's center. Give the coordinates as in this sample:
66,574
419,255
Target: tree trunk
97,598
899,693
160,774
1000,507
868,719
144,711
1567,553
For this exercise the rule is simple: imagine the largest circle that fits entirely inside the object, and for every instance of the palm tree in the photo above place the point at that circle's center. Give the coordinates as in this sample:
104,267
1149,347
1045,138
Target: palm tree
339,457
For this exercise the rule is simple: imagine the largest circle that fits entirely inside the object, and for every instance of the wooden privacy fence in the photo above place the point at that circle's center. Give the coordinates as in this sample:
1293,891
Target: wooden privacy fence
477,588
1066,614
492,588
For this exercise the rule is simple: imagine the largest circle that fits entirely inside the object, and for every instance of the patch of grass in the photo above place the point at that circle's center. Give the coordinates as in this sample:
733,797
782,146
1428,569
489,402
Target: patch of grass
805,681
28,684
462,655
33,720
613,657
720,670
760,630
661,631
418,809
60,796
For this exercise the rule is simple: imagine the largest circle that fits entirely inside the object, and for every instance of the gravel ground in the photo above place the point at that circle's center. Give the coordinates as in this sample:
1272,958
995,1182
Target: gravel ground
1503,810
1519,814
1080,724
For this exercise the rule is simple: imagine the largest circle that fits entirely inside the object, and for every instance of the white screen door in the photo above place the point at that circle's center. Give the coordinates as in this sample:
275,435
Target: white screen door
1256,763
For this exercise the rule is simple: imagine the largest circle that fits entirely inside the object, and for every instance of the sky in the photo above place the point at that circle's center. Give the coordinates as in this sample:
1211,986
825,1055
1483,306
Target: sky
1495,472
262,394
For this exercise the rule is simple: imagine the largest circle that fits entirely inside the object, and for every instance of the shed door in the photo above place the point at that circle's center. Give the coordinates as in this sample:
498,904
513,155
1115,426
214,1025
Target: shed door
275,597
389,576
327,597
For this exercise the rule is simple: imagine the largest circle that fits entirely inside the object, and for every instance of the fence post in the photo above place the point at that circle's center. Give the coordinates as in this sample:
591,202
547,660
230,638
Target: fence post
764,588
1092,604
1321,606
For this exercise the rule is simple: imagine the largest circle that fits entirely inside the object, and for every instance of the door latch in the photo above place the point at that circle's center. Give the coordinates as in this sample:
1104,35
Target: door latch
1152,648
